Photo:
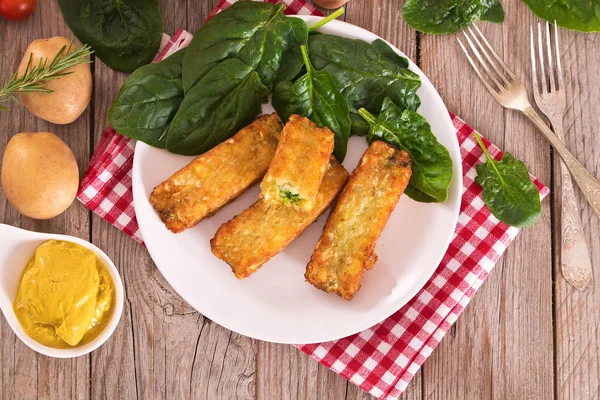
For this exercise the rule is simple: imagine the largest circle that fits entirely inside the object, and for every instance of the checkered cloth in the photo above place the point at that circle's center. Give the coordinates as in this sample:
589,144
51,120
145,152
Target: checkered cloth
383,359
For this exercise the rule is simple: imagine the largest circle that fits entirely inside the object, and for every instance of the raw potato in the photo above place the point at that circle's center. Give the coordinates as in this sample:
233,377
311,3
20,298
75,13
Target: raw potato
39,174
71,93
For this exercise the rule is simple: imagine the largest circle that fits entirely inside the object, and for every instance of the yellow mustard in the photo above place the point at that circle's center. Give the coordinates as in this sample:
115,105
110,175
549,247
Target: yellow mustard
66,296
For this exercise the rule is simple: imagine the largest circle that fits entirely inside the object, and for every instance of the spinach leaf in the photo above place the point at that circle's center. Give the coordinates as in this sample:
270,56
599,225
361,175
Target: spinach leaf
494,14
225,100
315,96
508,190
148,101
449,16
579,15
365,74
409,131
418,195
124,34
359,126
385,50
257,33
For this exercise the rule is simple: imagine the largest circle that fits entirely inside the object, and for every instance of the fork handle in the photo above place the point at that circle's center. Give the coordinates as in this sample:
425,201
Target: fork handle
586,181
575,263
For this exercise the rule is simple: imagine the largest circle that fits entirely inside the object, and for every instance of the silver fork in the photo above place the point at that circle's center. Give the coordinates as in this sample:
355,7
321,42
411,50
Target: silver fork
510,92
549,96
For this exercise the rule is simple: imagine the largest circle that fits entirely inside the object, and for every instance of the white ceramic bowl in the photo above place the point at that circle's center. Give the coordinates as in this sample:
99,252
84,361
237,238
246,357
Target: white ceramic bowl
17,246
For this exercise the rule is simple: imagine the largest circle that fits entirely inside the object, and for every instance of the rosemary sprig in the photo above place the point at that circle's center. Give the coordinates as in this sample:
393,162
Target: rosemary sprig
34,77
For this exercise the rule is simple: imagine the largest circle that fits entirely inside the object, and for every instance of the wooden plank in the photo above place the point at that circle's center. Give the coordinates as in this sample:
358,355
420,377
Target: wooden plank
527,281
501,347
12,48
285,373
475,336
224,365
576,313
34,375
113,370
112,365
162,348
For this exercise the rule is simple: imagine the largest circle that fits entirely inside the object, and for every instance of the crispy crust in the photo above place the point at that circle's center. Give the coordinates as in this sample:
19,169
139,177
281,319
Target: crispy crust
218,176
257,234
347,246
299,163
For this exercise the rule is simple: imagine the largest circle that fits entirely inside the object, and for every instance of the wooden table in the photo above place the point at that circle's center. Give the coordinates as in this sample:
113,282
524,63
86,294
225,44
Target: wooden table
527,334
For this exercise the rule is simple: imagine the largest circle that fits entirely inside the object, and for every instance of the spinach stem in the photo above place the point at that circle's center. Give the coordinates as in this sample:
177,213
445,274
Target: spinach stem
488,156
328,18
483,148
370,118
306,58
309,69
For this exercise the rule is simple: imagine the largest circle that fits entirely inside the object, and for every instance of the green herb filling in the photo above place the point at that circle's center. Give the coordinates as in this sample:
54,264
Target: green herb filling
288,197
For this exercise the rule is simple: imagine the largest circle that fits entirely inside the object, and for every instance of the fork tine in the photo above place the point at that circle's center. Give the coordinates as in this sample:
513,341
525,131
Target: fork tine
561,84
483,80
490,74
550,63
493,65
533,68
544,82
496,56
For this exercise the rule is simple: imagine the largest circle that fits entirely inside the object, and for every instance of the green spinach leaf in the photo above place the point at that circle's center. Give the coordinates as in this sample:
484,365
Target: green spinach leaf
316,97
148,101
418,195
494,14
358,127
257,33
579,15
124,34
449,16
409,131
365,74
225,100
508,190
385,50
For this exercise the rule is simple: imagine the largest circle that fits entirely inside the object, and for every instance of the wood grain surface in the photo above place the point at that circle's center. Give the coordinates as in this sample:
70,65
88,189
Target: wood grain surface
527,333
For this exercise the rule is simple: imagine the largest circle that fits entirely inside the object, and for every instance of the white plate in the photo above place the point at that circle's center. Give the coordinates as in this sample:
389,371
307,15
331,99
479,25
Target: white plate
276,304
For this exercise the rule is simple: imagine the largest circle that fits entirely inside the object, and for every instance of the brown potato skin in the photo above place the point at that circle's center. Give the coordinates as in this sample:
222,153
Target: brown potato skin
218,176
259,233
301,160
39,174
70,94
346,248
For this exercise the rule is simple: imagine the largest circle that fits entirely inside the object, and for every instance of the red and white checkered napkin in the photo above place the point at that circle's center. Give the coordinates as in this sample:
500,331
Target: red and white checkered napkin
383,359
